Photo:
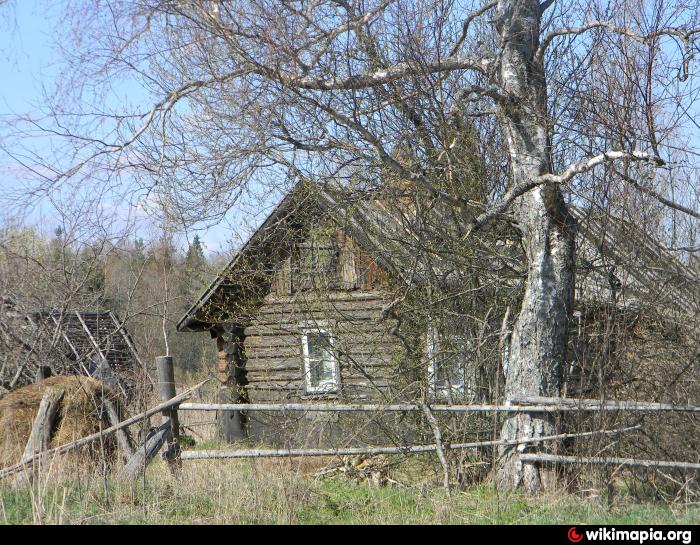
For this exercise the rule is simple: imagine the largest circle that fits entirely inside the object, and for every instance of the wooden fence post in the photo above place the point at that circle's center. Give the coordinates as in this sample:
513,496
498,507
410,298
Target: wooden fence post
165,373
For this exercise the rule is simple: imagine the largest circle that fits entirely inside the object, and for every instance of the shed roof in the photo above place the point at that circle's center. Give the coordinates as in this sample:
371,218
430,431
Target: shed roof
93,336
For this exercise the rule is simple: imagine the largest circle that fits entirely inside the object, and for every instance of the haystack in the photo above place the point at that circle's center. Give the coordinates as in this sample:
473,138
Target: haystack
81,413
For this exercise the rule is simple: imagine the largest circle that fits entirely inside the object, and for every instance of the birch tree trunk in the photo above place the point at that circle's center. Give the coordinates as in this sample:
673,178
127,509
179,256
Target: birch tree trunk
538,342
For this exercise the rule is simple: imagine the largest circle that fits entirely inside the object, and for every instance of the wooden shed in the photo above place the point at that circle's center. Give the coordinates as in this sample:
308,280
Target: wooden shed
86,342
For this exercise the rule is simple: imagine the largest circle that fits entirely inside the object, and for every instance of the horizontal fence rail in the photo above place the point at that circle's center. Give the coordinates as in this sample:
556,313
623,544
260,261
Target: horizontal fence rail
409,449
63,449
595,404
172,403
652,464
522,405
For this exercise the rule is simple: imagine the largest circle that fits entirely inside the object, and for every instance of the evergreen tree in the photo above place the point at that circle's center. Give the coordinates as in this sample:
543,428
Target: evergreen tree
194,268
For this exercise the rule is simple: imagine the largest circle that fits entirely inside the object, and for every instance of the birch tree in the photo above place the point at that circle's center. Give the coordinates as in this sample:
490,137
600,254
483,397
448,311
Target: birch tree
251,93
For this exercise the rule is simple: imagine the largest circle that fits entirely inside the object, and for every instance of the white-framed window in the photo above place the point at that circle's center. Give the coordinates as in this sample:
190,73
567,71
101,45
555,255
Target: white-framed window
321,373
447,364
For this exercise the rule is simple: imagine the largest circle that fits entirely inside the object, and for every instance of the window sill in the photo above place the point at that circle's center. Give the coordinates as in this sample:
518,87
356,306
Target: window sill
320,395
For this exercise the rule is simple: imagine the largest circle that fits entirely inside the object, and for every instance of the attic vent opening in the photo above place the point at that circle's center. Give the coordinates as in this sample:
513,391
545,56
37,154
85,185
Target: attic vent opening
316,266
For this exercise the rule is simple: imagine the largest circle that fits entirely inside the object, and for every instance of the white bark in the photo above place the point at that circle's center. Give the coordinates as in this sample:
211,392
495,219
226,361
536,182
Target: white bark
538,342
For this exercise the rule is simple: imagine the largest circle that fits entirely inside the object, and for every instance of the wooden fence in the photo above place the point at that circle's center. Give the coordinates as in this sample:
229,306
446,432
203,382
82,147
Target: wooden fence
171,403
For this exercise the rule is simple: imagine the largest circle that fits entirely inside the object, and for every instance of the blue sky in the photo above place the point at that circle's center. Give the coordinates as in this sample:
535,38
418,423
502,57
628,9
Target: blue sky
26,55
29,64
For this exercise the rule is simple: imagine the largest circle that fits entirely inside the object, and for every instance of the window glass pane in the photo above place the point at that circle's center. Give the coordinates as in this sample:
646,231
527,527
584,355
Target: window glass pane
319,345
321,372
320,358
448,350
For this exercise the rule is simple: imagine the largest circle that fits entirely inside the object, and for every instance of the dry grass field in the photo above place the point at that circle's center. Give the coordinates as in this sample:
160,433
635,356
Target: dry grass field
297,491
288,492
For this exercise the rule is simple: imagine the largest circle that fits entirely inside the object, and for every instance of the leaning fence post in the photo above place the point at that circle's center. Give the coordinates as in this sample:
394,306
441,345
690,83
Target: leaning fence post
165,373
40,435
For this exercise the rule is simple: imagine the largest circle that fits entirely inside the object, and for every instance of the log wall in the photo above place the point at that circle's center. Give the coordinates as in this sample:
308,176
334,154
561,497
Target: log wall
363,345
270,350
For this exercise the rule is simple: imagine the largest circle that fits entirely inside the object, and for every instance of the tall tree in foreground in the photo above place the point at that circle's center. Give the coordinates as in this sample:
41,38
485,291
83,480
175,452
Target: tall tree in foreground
538,342
251,92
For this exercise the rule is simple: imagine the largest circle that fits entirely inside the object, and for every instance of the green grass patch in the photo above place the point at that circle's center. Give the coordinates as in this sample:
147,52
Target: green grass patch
267,492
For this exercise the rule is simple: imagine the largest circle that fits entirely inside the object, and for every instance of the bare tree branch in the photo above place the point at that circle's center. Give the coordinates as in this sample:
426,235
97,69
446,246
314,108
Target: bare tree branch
678,33
565,176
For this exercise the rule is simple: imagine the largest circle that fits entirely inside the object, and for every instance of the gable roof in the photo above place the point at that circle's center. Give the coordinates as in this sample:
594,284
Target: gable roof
224,285
613,247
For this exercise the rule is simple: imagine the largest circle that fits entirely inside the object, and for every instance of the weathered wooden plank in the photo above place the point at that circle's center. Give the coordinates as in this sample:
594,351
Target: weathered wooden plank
43,421
322,306
362,362
357,362
139,461
292,327
277,352
275,376
284,453
335,407
408,449
507,408
297,376
40,435
123,441
268,386
270,364
360,391
297,382
370,358
283,278
340,296
273,330
651,464
358,380
354,386
361,350
295,388
596,404
272,341
295,322
344,300
346,263
315,316
165,371
344,340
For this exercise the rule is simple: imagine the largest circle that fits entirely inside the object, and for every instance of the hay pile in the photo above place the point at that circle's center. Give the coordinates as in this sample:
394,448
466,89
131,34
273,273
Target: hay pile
81,413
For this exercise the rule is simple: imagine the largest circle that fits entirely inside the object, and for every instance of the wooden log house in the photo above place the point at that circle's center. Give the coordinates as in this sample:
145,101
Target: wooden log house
302,312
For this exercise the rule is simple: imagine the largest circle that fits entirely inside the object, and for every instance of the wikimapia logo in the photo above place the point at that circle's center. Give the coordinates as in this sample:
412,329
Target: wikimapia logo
573,535
637,536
